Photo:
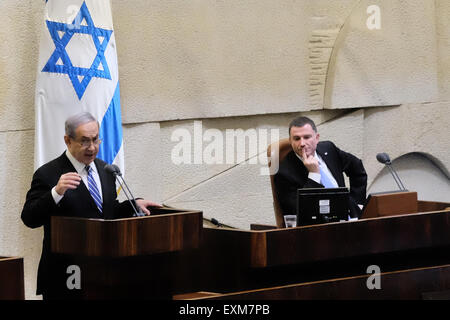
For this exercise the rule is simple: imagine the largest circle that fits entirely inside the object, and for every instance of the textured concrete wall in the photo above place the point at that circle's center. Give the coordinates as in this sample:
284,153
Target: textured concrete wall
394,64
249,65
443,43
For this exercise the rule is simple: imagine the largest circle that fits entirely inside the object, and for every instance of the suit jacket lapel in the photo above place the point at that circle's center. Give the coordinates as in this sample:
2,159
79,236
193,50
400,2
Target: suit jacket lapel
297,167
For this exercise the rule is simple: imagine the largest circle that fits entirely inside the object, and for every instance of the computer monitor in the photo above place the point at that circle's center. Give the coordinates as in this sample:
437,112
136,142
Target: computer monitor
322,205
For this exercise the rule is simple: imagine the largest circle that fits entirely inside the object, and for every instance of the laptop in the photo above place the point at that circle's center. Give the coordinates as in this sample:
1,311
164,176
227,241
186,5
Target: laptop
322,205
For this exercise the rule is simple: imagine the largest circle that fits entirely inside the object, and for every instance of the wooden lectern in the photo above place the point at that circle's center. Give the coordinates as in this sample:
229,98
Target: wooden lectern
398,203
11,279
389,204
125,258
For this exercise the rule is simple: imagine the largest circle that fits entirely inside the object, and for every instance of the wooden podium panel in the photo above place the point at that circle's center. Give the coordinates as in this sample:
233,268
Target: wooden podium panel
411,284
128,258
11,279
428,206
167,230
389,204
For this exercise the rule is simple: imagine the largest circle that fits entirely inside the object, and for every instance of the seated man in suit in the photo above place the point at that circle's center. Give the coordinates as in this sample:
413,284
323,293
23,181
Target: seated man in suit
314,164
75,184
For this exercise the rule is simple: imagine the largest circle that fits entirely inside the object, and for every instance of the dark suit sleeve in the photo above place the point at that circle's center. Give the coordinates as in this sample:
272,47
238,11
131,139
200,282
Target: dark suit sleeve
286,194
286,185
39,204
354,169
123,209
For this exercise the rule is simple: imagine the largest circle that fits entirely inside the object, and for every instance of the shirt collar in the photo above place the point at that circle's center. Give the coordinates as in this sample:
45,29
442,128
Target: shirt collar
79,166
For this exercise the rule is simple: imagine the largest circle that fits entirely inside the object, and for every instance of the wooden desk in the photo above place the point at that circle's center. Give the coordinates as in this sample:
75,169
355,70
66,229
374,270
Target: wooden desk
11,279
175,257
237,260
412,284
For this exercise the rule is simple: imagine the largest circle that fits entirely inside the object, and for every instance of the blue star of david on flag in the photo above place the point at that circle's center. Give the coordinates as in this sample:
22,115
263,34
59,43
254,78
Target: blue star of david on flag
60,62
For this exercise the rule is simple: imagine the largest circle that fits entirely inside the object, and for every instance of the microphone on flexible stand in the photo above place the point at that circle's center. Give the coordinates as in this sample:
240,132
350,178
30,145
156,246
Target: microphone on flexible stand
115,171
384,159
216,222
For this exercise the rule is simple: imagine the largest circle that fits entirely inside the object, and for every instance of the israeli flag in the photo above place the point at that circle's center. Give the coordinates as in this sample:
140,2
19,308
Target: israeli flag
77,72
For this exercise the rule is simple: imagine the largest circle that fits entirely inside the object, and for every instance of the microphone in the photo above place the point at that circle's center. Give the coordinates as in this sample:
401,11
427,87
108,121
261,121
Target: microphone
115,171
213,221
384,159
216,222
112,168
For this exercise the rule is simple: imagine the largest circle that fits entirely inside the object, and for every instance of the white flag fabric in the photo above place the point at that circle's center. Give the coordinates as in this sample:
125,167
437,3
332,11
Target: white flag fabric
77,72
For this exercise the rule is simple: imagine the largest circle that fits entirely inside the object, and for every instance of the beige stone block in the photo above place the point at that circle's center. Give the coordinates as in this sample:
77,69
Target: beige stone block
237,198
211,59
204,164
346,131
405,129
443,37
16,170
143,157
181,177
388,66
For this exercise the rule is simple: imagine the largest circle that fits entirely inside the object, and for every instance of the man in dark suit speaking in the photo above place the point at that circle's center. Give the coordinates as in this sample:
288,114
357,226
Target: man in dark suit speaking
314,164
76,185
